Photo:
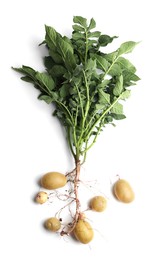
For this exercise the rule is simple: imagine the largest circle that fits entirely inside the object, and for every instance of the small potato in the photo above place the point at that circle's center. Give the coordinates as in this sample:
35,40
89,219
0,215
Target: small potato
41,197
53,180
83,231
123,191
53,224
98,203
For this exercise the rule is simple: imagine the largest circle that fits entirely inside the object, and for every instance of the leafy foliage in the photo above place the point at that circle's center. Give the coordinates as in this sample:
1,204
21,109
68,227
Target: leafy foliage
84,83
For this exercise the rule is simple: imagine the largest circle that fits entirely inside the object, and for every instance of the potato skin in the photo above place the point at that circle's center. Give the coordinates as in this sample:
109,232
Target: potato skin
53,180
83,231
123,191
98,203
53,224
41,197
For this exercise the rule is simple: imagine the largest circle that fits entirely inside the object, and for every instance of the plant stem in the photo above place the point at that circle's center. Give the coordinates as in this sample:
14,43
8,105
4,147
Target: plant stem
86,46
69,138
77,201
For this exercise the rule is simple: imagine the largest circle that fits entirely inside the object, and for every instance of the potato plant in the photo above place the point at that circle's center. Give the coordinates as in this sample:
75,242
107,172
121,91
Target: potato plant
87,87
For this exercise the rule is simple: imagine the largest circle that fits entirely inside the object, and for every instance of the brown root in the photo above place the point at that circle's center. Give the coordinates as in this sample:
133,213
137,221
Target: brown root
70,227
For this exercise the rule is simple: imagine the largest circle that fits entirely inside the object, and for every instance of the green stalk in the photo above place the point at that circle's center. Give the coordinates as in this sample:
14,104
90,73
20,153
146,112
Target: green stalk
88,98
80,100
70,141
86,46
107,72
94,140
84,117
101,117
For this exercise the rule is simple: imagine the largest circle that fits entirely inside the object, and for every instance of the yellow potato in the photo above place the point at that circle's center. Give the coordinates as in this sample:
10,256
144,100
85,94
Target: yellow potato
41,197
83,231
98,203
53,224
53,180
123,191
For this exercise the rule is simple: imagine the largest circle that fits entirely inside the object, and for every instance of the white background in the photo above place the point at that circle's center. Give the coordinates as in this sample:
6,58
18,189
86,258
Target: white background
32,142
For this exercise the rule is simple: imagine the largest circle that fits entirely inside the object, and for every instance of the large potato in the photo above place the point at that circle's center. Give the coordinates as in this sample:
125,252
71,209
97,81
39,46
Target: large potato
98,203
123,191
53,180
83,231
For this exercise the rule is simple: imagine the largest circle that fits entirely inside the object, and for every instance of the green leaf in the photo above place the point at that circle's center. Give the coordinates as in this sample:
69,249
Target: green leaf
72,103
125,94
73,91
102,63
48,62
64,90
117,108
111,56
115,70
70,61
99,107
66,39
46,80
51,37
63,47
45,98
58,71
79,46
91,44
26,70
104,98
126,64
29,72
56,57
80,20
90,65
129,77
118,86
92,24
103,84
104,40
118,116
95,34
78,36
55,95
126,47
78,28
76,80
66,51
27,79
108,119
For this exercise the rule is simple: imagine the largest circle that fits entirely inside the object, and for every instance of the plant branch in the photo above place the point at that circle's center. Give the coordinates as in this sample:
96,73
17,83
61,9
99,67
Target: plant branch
66,110
94,140
102,115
